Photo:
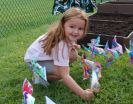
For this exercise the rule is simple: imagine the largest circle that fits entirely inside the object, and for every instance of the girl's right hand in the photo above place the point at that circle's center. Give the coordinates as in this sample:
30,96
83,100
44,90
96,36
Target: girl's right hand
87,94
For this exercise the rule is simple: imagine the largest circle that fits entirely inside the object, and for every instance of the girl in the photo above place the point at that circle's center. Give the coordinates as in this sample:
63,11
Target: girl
57,49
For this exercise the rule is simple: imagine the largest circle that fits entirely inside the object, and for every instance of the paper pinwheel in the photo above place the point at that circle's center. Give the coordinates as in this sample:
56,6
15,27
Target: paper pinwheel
131,44
93,47
27,87
98,69
111,54
97,41
88,66
40,71
95,86
27,90
116,46
29,99
130,53
49,101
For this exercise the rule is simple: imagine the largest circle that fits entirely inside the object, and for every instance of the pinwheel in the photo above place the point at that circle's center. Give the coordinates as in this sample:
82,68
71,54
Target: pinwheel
130,53
94,47
27,90
88,66
49,101
116,46
95,85
111,54
40,71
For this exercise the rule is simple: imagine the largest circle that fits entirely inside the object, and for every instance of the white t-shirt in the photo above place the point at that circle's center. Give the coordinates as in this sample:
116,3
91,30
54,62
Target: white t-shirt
36,51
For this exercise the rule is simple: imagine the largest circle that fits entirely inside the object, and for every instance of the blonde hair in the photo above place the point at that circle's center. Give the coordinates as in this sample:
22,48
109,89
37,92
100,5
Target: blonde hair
56,33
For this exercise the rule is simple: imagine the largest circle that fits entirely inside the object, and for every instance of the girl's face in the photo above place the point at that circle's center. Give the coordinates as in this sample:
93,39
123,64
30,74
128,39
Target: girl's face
74,29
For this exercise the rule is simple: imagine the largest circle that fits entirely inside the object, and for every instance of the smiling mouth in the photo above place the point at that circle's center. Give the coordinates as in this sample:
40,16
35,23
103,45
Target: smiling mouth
74,36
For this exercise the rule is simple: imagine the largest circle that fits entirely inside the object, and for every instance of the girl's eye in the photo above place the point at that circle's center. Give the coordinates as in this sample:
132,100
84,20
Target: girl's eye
80,28
71,26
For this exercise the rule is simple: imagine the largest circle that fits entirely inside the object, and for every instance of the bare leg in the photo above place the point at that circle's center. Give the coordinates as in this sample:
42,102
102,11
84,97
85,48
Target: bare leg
52,77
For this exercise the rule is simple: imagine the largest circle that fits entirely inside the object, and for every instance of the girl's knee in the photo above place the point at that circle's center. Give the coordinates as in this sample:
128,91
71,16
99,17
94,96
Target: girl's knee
53,77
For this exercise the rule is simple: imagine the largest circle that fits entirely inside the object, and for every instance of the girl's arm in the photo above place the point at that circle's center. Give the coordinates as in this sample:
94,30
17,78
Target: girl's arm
63,72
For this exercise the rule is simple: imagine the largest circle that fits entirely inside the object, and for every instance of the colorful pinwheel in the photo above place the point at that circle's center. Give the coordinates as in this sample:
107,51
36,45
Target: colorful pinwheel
27,90
130,53
116,46
40,71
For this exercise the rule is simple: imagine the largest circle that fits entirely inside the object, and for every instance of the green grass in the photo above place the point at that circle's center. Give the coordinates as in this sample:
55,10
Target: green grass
116,81
20,15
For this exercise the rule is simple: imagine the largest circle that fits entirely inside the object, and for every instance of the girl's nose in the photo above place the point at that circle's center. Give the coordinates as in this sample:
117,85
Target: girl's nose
75,31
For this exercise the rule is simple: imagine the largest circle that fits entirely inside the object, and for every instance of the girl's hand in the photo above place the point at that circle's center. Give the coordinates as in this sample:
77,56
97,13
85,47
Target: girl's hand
73,52
87,94
76,46
73,55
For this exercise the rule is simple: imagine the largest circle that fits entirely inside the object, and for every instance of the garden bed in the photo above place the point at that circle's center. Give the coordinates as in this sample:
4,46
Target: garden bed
111,19
120,25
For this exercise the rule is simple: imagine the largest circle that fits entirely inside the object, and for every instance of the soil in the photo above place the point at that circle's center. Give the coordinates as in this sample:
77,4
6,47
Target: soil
120,25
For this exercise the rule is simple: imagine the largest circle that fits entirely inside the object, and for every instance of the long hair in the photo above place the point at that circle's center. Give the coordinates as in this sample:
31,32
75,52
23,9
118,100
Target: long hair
56,33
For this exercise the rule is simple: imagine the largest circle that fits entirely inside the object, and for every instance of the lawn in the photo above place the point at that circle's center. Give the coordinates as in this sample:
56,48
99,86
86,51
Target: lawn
20,15
116,81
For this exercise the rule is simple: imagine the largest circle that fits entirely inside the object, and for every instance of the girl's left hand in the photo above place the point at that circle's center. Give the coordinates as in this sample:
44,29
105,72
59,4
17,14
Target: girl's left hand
76,46
74,53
